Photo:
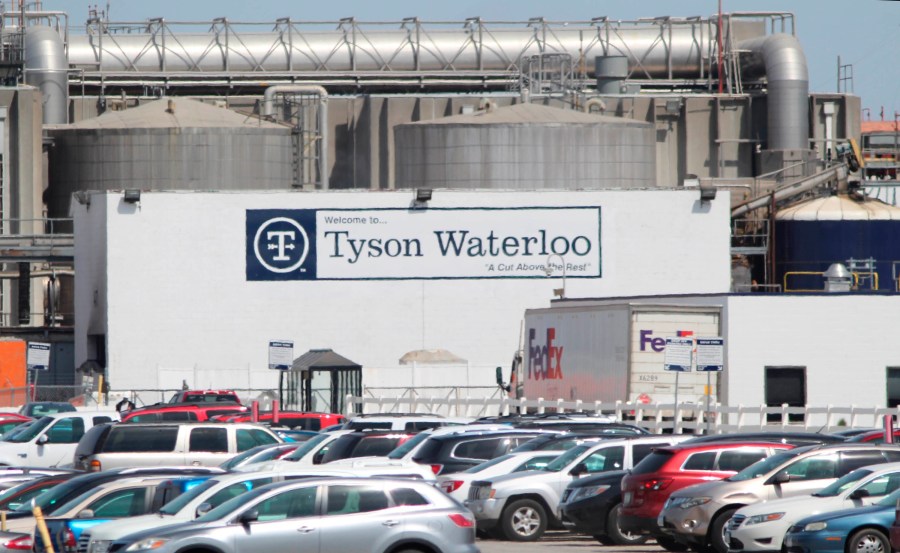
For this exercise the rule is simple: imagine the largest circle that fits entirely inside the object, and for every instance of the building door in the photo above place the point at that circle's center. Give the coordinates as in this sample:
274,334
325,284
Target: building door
785,385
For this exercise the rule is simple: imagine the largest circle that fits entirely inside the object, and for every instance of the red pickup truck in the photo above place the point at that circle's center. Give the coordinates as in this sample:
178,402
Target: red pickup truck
204,396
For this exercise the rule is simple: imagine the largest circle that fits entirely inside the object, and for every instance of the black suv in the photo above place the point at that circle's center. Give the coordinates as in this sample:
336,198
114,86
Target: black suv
457,452
365,443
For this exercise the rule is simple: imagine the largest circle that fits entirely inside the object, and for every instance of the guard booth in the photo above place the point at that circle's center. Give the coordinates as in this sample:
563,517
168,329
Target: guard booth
320,379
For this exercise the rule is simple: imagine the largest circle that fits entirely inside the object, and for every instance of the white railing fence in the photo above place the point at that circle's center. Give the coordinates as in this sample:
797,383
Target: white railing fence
656,417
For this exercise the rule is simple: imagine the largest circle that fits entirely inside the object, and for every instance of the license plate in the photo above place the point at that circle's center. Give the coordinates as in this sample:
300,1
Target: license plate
626,499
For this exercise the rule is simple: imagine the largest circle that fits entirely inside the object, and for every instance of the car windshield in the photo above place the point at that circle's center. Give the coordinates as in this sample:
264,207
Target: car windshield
307,446
842,483
225,509
31,432
566,458
19,493
240,458
762,467
400,451
50,501
488,464
177,504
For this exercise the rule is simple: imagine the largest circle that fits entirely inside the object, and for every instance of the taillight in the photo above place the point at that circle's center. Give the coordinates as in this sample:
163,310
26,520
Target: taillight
95,466
69,543
657,484
22,543
462,520
436,469
451,485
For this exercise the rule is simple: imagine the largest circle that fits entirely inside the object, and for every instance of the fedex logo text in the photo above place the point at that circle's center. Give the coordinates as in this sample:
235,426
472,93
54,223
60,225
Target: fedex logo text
544,361
658,344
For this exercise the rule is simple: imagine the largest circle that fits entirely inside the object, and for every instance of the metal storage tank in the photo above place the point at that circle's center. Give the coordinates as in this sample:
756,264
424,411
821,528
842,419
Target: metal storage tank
813,235
167,144
526,147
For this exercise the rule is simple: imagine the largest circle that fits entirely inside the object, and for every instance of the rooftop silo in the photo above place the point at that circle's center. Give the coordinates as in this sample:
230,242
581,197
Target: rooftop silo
526,147
813,235
168,144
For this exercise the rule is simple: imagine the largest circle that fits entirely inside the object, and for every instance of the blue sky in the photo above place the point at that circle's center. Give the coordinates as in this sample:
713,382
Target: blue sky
864,33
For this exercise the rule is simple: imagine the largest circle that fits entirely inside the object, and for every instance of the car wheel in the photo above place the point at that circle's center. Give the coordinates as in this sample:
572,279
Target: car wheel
717,531
616,534
524,520
670,544
869,540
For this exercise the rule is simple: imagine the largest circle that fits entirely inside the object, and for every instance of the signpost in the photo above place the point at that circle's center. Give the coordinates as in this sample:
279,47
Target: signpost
281,358
679,358
710,359
37,359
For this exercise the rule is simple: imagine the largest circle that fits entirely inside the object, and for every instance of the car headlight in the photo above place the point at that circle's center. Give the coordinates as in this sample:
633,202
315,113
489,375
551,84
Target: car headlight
688,502
148,544
587,491
815,526
759,519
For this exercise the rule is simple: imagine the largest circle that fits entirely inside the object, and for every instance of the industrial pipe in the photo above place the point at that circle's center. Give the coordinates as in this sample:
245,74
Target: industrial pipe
839,172
46,68
315,90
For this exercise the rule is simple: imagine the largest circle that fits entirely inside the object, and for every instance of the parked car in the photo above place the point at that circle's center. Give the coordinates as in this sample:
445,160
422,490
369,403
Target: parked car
409,422
184,412
796,439
8,421
204,396
307,453
326,515
50,441
37,409
698,514
159,444
458,451
456,484
761,526
669,469
207,496
521,506
259,454
123,498
14,542
846,530
13,476
564,440
591,505
365,443
289,419
23,492
873,436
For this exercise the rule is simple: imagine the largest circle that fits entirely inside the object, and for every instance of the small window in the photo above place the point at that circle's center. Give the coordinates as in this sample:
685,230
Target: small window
785,385
639,451
405,496
296,503
178,416
477,449
814,468
252,437
213,440
893,387
149,417
100,420
882,485
235,490
343,500
422,425
852,460
606,459
704,460
141,439
737,460
121,503
375,446
66,431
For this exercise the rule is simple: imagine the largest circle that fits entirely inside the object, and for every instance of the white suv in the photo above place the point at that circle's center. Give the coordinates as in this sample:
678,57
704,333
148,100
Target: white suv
522,505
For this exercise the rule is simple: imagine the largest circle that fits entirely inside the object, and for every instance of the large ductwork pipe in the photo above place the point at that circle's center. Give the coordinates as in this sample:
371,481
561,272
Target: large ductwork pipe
268,110
781,59
46,68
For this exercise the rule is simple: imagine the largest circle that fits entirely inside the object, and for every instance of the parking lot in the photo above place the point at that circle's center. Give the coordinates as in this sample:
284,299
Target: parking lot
559,541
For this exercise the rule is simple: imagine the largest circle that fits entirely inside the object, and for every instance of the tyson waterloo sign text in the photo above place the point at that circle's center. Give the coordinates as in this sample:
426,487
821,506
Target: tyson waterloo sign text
454,243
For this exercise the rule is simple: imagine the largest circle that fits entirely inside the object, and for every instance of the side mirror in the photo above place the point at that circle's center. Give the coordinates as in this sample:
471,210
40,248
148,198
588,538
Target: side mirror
251,515
85,513
317,458
859,494
203,508
780,478
578,470
42,439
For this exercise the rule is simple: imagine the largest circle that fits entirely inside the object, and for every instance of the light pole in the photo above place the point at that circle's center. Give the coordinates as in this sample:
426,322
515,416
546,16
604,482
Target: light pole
561,292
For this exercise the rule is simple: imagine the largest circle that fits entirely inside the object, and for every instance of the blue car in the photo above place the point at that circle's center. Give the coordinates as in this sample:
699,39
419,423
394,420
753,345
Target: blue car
860,529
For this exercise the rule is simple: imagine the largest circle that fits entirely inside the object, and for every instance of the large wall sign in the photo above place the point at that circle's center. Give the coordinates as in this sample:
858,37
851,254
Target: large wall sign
433,243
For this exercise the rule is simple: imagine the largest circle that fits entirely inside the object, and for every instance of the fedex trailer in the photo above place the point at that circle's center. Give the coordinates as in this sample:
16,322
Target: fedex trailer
613,353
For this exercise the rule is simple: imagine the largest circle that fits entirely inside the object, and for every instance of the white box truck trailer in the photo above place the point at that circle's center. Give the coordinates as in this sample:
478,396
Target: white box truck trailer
612,353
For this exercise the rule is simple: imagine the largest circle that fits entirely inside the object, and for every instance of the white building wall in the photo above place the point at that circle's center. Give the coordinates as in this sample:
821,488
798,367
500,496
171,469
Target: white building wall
176,301
846,343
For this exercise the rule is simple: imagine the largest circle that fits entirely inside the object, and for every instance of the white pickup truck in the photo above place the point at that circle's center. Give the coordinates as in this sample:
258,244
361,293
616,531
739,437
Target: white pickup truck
521,506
